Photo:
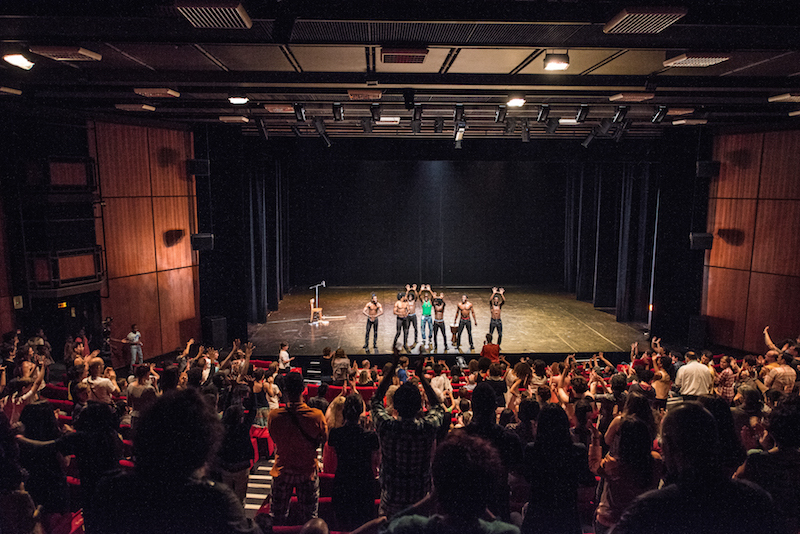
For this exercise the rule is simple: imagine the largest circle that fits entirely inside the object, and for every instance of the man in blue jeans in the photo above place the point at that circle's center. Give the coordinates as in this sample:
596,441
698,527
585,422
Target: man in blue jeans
427,314
134,339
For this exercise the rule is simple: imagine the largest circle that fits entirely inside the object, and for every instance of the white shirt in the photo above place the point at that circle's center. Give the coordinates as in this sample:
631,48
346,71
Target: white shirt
694,379
100,389
440,384
283,360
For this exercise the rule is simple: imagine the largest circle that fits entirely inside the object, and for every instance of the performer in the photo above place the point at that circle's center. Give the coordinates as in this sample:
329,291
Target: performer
495,304
372,310
427,319
134,339
411,299
438,321
401,311
465,307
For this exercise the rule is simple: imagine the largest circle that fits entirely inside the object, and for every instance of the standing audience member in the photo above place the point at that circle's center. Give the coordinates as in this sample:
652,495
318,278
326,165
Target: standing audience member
693,379
141,394
701,499
167,491
297,431
101,388
236,453
782,377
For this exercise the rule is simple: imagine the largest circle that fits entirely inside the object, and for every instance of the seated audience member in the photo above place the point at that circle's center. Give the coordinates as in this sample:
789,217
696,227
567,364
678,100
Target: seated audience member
752,406
701,499
297,431
81,400
554,467
465,476
732,453
778,470
528,414
582,432
634,470
357,453
364,379
636,405
166,492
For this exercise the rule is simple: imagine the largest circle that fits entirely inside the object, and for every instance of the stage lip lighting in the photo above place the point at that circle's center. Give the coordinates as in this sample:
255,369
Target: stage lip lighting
544,112
659,114
299,112
553,61
696,59
619,114
338,111
500,113
238,100
18,60
582,113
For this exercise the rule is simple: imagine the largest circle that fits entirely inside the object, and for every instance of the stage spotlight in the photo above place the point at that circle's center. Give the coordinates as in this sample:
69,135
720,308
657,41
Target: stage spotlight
338,111
526,133
416,126
417,112
438,125
589,138
544,112
300,112
458,113
619,114
621,129
296,131
262,127
375,110
457,144
366,125
556,61
326,139
605,126
659,114
319,125
238,100
552,126
511,125
500,113
408,98
459,130
583,112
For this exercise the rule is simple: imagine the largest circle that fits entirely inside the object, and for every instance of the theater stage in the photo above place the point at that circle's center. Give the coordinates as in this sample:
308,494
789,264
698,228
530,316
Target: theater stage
534,321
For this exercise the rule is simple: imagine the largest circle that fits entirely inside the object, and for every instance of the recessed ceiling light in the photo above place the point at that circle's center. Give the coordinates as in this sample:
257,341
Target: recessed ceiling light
680,111
388,120
18,60
134,107
696,59
234,118
556,61
785,97
515,102
156,92
10,91
794,113
689,122
631,97
238,100
567,121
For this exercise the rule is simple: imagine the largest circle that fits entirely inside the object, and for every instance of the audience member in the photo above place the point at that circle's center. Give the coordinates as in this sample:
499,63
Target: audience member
693,379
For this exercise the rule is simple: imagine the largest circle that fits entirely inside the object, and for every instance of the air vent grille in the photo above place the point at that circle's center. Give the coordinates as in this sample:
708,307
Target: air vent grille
644,19
66,53
218,15
403,55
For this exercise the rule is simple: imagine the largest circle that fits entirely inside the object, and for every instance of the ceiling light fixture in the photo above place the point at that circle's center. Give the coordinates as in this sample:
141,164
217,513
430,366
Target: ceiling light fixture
621,129
156,92
619,114
385,121
500,113
605,126
679,111
338,111
696,59
366,125
631,97
526,132
375,111
134,107
644,19
794,113
458,113
238,100
511,125
438,125
583,112
299,112
417,112
459,130
18,60
552,126
544,112
556,61
689,122
659,114
589,138
516,101
10,91
785,97
567,121
233,118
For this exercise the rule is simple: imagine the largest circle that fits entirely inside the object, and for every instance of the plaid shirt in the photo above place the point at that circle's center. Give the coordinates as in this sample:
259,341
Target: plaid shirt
724,382
406,449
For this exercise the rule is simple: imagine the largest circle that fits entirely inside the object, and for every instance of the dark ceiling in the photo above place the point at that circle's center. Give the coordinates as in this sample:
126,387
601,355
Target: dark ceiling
477,54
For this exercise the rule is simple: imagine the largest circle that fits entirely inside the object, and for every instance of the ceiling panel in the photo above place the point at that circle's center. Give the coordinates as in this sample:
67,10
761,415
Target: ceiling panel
251,57
489,60
432,64
579,61
772,63
633,62
168,56
330,58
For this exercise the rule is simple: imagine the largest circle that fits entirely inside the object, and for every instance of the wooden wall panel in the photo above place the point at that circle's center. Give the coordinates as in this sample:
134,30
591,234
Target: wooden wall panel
774,301
732,222
169,150
740,163
5,253
134,299
172,231
725,305
780,173
70,267
179,306
129,236
122,159
777,243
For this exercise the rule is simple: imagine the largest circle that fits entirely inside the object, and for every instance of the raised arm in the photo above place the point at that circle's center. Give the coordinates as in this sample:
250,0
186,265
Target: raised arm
768,340
248,352
234,349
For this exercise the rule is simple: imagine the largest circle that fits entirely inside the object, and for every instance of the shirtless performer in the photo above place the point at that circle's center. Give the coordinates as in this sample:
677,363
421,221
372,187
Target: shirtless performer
372,310
427,319
465,307
401,311
438,320
495,304
411,297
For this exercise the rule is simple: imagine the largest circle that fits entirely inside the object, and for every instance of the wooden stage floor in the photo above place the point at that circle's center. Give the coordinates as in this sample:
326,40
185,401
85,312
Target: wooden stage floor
534,321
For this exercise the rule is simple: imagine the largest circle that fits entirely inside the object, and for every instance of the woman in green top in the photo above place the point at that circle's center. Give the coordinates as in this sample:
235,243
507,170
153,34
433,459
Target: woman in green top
427,318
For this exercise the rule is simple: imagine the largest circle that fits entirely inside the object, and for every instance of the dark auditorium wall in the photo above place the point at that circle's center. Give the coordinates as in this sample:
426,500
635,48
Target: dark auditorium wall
752,273
7,320
148,215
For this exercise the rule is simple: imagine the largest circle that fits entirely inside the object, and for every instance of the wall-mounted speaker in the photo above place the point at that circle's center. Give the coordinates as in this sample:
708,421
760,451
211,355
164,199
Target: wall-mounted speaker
202,241
700,241
707,169
198,167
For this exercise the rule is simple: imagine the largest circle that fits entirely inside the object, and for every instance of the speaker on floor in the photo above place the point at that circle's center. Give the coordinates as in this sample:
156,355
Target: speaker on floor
198,167
215,331
202,241
707,169
701,241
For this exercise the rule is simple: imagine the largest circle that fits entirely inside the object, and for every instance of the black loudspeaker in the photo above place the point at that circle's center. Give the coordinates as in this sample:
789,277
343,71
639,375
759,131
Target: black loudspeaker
198,167
215,331
707,169
700,241
697,332
202,241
